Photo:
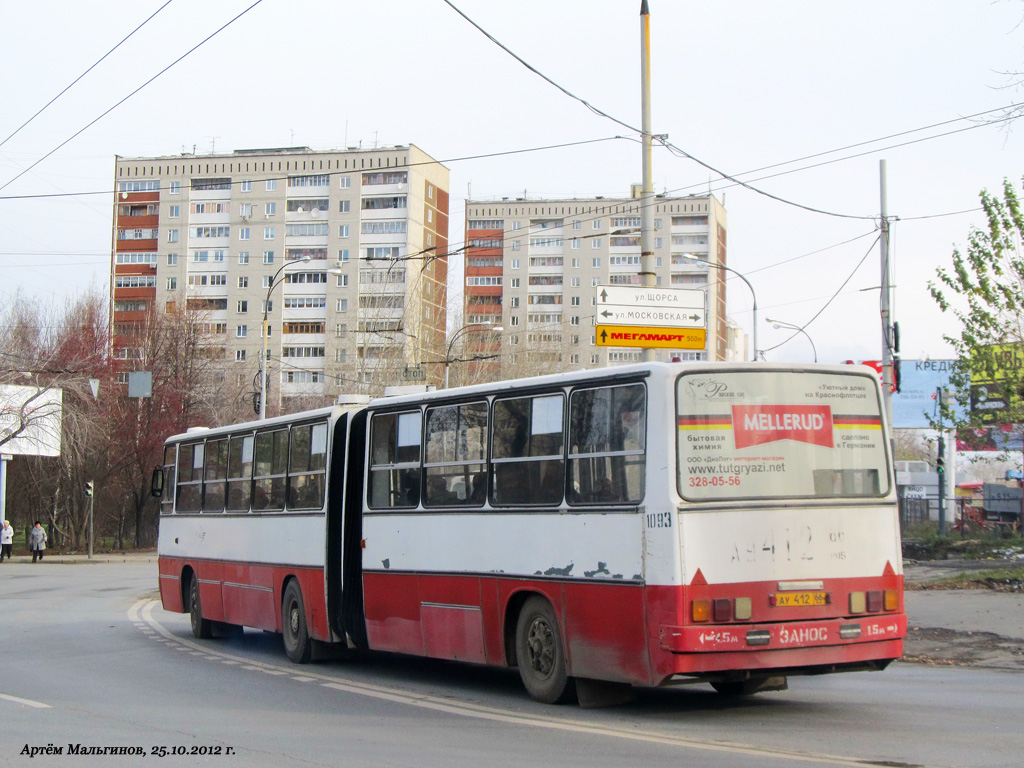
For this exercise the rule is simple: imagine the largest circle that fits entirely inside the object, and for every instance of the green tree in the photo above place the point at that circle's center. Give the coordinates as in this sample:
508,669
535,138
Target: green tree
984,290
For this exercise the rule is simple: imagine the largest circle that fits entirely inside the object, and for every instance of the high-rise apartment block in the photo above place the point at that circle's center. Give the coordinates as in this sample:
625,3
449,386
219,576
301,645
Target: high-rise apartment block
533,268
342,253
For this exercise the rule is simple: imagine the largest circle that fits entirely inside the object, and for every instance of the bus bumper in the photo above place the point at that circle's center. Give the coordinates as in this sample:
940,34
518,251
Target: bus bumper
785,644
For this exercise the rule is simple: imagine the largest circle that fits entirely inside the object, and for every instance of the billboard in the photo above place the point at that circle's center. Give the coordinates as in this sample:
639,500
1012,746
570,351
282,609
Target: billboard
30,420
915,401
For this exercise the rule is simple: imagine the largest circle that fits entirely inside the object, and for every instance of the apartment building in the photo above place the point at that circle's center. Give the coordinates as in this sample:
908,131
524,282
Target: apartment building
533,268
342,253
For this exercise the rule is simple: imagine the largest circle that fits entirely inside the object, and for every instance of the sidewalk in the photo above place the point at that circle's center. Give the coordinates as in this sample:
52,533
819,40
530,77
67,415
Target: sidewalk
75,558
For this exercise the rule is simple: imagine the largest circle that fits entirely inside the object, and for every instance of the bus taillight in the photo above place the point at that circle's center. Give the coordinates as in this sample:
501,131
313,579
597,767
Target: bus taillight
700,610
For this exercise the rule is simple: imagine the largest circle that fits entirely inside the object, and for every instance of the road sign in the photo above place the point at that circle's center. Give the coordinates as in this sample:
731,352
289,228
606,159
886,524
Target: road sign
656,316
641,296
641,336
414,374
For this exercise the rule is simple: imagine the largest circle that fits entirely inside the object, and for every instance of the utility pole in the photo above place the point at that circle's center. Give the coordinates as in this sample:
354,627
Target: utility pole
887,369
647,277
940,471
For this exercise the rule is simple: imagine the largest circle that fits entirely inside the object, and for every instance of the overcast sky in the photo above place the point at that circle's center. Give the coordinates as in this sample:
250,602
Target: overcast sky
738,85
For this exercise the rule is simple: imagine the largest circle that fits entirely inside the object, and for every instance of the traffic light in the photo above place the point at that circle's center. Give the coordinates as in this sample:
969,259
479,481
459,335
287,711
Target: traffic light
940,460
89,488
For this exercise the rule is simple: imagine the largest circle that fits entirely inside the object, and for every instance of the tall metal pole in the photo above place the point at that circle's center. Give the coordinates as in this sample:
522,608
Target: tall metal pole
92,501
647,276
887,372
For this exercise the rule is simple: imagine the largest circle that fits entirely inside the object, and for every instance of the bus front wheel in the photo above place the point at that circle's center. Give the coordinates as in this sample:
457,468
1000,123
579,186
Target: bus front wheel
201,628
297,644
540,654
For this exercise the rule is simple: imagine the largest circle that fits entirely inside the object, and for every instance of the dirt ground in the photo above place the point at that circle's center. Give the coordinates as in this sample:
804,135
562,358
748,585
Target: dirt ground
981,627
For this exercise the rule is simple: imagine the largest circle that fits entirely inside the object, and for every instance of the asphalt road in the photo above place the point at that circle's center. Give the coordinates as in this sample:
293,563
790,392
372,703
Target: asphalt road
87,657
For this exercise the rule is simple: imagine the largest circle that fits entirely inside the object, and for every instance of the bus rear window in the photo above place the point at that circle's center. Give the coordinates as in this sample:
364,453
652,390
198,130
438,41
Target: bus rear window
777,434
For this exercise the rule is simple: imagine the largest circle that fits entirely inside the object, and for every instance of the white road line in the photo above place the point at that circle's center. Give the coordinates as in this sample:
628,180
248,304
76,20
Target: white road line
481,712
25,702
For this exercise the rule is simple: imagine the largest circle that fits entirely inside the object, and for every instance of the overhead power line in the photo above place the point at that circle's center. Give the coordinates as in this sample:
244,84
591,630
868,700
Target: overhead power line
123,100
70,85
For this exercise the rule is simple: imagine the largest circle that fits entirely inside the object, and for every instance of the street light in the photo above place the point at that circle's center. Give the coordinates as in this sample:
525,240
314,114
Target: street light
780,324
464,329
695,257
264,368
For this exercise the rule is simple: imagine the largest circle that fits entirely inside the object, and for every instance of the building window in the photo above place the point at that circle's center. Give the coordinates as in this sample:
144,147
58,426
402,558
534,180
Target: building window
172,259
343,281
243,233
174,211
271,185
271,209
343,305
597,224
597,261
239,355
172,283
345,182
242,306
172,235
266,281
343,255
246,186
574,243
243,282
241,331
243,257
514,282
175,188
575,282
595,243
268,257
514,320
344,206
268,233
577,224
343,230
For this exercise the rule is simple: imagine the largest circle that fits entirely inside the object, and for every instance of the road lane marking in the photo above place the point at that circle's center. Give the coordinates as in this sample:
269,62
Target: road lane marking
482,712
25,702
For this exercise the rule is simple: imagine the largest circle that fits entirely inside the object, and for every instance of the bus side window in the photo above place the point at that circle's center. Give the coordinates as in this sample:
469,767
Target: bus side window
307,466
190,478
167,500
455,452
527,451
239,473
607,445
216,472
270,470
394,472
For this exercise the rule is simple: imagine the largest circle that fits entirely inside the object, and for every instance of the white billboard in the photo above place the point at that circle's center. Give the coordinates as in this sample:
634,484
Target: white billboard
30,420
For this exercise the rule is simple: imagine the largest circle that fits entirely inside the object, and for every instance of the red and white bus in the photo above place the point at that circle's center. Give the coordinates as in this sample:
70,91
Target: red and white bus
642,525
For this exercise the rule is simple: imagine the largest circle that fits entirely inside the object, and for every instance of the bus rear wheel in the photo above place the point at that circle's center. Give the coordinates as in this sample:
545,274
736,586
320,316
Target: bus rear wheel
297,644
540,654
202,628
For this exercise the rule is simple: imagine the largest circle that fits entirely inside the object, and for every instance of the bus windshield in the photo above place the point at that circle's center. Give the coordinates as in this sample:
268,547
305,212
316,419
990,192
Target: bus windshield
774,435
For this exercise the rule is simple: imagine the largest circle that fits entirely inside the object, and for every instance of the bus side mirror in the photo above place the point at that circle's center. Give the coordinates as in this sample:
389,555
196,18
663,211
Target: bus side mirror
156,487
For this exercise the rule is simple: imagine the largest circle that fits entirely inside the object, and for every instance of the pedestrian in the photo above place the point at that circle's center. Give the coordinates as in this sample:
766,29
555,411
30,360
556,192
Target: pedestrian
37,541
6,540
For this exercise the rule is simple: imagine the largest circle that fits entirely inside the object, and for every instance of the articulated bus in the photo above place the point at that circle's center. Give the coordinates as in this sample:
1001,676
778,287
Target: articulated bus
642,525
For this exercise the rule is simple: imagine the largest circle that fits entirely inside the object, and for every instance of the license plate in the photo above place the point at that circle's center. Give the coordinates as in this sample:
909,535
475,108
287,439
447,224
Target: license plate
799,599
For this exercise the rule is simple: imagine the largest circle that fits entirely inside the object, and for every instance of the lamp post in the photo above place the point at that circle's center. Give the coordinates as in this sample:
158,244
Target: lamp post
464,329
695,257
780,324
264,368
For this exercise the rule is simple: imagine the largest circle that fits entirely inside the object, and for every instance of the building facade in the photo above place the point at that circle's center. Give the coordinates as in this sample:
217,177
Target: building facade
534,267
341,255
